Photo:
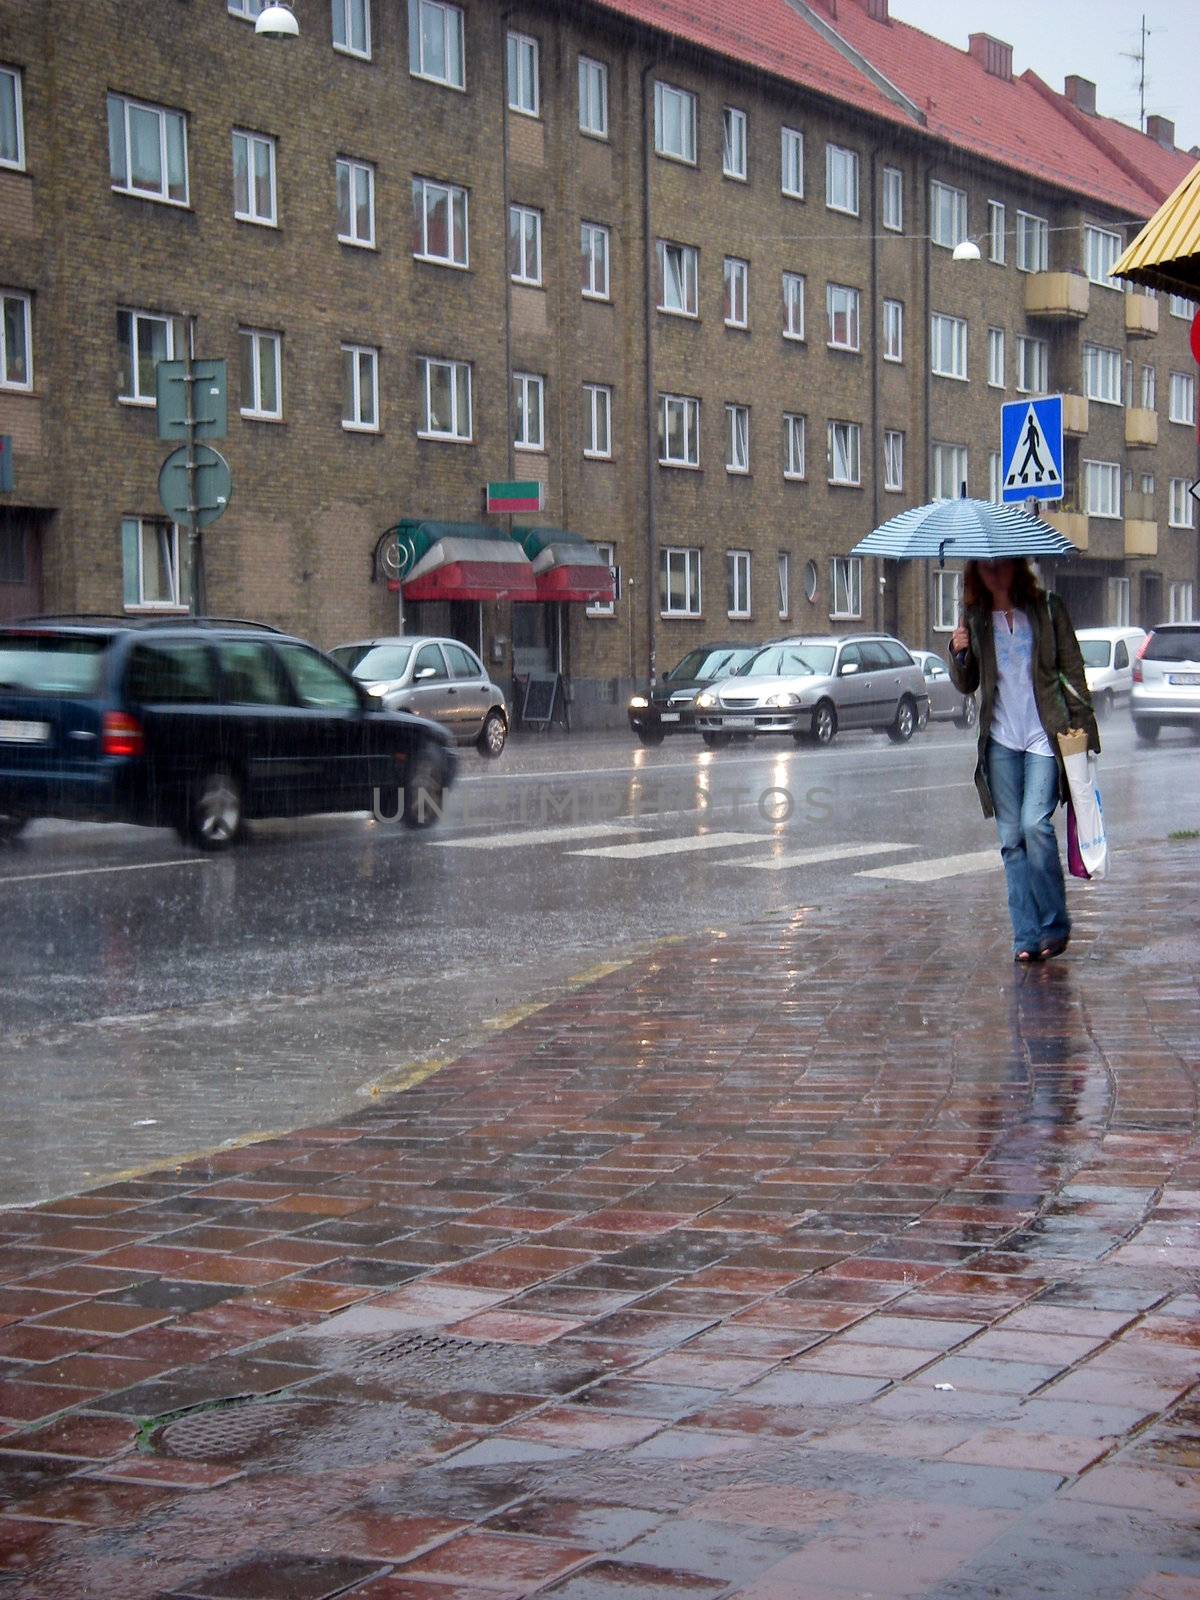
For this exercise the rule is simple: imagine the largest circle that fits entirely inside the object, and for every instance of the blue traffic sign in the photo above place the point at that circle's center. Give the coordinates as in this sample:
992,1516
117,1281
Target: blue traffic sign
1031,450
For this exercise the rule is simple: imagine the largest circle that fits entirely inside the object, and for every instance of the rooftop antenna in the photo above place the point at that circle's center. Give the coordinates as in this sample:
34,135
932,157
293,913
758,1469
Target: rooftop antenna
1139,57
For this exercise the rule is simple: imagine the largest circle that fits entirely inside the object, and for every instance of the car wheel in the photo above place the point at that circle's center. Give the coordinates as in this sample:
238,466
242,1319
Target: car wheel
717,741
824,723
1104,705
969,715
424,789
492,736
923,717
651,736
1146,730
902,729
213,819
11,824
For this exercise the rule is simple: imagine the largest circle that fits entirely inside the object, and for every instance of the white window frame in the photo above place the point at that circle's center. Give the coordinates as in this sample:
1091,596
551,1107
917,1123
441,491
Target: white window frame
522,70
251,142
1032,353
607,553
737,293
734,144
1181,602
529,411
16,162
15,297
995,356
524,242
1149,388
597,417
1181,398
948,337
951,469
846,587
262,339
595,247
1033,242
1102,489
793,303
795,466
791,163
997,243
843,301
593,98
948,214
689,407
248,10
783,584
1146,484
361,355
893,199
841,179
995,473
844,450
133,396
160,527
947,599
1101,247
682,103
1181,512
1102,374
688,278
893,330
1119,597
353,169
453,41
460,429
348,13
458,204
673,555
1180,306
737,584
893,461
160,196
737,440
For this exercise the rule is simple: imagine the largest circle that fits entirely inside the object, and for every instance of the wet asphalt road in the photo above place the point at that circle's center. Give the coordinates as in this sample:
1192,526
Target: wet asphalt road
157,1002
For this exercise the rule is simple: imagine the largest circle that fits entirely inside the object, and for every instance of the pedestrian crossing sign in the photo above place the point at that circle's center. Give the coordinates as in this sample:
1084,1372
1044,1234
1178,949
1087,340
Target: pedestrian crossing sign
1031,450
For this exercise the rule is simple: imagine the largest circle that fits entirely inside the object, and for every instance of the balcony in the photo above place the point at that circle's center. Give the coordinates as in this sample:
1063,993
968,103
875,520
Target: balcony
1141,530
1141,428
1141,316
1071,523
1057,294
1075,415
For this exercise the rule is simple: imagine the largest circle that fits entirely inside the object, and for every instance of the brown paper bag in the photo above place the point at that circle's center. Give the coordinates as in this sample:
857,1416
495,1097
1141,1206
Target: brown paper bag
1074,742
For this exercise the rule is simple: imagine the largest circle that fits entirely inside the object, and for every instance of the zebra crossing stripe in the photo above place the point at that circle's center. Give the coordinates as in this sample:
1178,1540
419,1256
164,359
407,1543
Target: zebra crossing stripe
673,847
939,867
820,853
530,836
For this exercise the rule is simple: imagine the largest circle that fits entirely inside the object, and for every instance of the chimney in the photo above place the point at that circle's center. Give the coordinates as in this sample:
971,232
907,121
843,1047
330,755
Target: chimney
993,55
1162,131
877,10
828,6
1081,92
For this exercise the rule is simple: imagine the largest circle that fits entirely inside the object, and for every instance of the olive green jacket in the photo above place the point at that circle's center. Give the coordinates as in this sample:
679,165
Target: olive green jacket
1056,656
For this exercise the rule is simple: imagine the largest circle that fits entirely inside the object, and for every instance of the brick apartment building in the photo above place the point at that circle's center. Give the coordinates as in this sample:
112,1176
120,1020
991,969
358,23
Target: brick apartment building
689,267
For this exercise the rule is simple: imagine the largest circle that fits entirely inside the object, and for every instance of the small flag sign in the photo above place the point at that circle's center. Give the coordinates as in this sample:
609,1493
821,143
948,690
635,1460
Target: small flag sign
515,498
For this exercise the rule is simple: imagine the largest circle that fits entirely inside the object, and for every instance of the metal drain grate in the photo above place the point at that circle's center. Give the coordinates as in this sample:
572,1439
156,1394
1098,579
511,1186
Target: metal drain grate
423,1363
230,1433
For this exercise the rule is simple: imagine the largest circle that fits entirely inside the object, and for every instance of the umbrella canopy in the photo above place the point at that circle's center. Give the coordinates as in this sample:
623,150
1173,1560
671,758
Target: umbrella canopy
964,530
1166,254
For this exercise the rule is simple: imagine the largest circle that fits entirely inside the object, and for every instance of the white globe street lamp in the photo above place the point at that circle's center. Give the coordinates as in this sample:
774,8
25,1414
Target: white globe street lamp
277,21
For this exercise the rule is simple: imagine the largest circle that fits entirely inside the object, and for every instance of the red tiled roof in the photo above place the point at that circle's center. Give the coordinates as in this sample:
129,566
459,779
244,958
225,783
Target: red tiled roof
1165,169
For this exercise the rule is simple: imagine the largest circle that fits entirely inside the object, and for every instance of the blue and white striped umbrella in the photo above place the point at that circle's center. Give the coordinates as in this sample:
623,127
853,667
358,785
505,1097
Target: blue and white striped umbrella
963,530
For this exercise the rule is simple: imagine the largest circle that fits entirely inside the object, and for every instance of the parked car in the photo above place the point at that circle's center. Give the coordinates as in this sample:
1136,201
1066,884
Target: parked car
946,704
811,687
1166,680
1108,655
198,724
667,706
436,678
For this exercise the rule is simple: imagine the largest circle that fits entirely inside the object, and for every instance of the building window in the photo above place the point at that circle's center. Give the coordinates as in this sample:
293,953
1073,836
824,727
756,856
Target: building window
143,341
737,582
446,400
246,8
262,387
1118,602
608,557
16,343
597,421
678,279
1033,243
995,488
594,255
525,245
996,241
782,565
679,582
1102,488
737,428
1033,365
793,446
996,358
678,431
523,93
792,163
947,600
1129,400
1180,603
1102,374
1146,483
845,453
793,305
893,199
737,293
893,330
1181,306
675,123
529,409
1149,389
847,586
12,120
440,223
841,179
949,471
893,461
841,306
352,27
152,570
947,214
948,346
593,97
356,202
360,388
1182,398
254,178
1182,507
1100,251
435,42
147,150
733,149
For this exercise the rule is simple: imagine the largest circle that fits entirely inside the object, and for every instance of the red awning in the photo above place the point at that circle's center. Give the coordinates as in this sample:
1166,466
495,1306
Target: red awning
585,585
472,568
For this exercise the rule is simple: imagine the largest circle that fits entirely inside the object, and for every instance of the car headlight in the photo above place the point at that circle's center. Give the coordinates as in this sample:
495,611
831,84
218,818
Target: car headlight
783,699
705,700
638,703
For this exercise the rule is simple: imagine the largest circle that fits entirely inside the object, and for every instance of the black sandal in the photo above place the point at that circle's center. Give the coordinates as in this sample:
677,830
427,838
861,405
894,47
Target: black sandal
1054,948
1028,958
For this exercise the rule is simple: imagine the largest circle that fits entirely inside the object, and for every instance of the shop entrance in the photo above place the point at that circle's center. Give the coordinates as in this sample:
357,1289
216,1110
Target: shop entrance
536,642
21,533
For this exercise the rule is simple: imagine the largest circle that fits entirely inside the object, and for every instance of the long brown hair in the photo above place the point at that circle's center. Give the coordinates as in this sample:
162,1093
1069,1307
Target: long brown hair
1025,586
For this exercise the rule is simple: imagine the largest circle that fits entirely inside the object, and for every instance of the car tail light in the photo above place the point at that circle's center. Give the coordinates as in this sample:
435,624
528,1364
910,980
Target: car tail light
121,735
1137,660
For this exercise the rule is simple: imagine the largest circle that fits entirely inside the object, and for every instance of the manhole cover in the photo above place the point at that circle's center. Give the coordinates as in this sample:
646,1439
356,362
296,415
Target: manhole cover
422,1363
229,1433
310,1436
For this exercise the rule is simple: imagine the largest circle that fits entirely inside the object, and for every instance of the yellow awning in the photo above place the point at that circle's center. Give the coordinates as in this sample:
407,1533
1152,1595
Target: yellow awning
1166,254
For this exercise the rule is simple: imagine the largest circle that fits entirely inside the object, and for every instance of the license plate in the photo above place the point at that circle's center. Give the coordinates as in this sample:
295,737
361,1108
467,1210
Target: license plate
24,732
669,716
739,721
1185,680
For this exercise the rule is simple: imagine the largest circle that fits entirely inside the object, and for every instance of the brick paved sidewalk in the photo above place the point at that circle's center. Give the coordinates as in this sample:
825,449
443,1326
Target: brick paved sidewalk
815,1261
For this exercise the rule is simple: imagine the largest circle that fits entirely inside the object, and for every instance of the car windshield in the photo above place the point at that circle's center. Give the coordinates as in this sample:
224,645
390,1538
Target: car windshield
1174,644
791,661
49,664
1095,652
707,664
373,662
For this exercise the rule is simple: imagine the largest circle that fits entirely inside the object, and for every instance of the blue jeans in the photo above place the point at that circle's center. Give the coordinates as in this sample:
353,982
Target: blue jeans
1024,793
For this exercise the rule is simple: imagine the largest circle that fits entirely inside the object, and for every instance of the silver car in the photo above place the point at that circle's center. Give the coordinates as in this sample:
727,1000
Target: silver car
436,678
811,687
1166,680
946,703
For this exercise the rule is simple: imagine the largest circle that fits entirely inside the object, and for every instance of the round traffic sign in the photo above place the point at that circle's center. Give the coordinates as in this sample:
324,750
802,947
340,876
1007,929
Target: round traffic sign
1195,336
214,485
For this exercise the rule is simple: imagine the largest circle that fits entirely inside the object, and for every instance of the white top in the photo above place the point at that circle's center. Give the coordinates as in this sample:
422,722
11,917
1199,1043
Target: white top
1015,720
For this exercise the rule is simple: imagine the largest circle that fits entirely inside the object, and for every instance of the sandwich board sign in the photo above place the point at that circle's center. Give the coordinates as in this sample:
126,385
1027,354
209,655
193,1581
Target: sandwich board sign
1031,450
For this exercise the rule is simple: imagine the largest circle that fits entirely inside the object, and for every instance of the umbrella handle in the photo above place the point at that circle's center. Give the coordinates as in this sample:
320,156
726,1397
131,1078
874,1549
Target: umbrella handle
942,551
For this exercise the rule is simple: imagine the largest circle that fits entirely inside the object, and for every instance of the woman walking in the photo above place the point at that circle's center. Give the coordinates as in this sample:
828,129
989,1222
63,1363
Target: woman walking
1016,645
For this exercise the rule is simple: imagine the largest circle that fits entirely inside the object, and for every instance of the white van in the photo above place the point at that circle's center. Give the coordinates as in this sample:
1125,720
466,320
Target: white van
1108,655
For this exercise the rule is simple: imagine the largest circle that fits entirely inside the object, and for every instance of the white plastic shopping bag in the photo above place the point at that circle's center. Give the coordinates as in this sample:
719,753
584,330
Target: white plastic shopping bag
1087,846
